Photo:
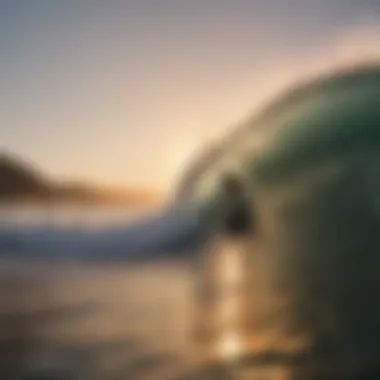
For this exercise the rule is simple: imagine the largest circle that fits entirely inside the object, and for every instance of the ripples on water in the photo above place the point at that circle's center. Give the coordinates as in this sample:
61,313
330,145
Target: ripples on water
108,322
74,321
93,321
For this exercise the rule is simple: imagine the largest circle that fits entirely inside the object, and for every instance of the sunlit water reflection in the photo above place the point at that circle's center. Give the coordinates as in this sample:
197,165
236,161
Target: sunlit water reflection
95,321
136,321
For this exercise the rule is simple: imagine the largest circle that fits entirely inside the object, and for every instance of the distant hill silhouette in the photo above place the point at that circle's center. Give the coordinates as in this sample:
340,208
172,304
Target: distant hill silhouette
21,181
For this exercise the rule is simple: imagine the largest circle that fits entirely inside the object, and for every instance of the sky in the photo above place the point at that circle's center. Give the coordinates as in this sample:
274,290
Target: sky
123,92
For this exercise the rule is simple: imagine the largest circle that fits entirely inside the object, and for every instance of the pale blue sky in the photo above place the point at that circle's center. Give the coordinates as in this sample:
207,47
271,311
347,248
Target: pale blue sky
122,91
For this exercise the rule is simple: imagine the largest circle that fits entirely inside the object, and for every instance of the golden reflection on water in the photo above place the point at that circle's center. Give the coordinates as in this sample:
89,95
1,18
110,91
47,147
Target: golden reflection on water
230,277
132,322
229,345
240,312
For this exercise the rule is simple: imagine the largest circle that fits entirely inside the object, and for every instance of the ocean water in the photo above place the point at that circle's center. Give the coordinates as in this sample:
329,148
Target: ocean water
77,319
70,319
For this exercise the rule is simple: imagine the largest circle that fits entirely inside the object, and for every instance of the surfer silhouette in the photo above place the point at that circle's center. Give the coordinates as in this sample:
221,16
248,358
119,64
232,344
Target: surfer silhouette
238,219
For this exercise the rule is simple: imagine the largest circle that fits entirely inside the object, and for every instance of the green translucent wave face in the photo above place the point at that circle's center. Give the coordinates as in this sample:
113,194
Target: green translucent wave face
311,164
314,125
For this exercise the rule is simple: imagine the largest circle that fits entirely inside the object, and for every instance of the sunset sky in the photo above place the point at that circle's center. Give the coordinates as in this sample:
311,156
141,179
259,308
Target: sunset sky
121,92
